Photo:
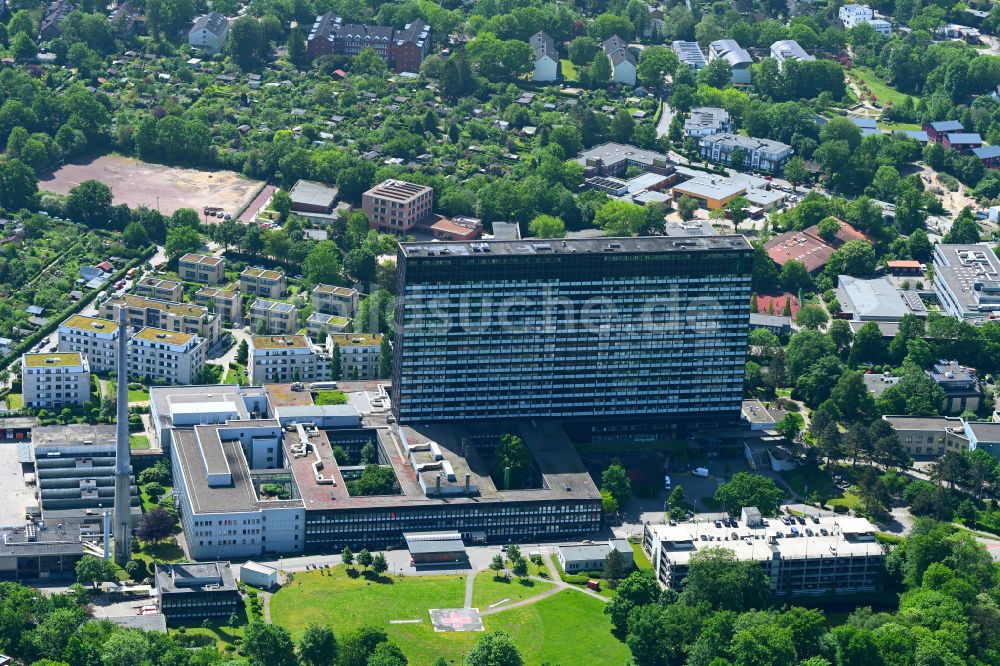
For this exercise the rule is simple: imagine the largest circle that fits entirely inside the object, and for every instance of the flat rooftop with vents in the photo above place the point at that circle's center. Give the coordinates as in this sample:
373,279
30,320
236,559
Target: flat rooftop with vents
648,244
92,324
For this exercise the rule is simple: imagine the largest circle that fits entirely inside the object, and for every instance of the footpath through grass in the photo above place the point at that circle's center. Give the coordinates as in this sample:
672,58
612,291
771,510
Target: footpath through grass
566,628
883,92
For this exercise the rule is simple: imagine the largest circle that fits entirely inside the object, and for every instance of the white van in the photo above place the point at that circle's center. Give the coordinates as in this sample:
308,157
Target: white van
700,471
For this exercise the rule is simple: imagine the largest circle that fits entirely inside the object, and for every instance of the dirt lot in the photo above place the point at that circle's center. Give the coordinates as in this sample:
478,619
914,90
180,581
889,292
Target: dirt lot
135,183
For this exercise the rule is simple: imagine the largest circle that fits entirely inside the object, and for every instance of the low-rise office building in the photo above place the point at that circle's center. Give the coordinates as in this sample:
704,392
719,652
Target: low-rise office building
55,380
202,268
984,435
311,197
275,317
190,592
339,301
711,192
757,154
153,287
738,58
165,356
359,354
168,315
828,556
707,120
31,553
320,325
224,302
960,384
585,557
94,338
877,299
287,358
930,436
613,159
789,49
967,281
263,282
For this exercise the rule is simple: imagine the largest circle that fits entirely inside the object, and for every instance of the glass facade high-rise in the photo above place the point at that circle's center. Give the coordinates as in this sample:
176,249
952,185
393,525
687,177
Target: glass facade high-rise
608,331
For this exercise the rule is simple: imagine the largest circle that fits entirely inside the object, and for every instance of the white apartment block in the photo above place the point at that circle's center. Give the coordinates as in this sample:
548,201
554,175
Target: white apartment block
852,15
94,338
277,317
286,358
202,268
166,357
358,354
339,301
55,380
168,315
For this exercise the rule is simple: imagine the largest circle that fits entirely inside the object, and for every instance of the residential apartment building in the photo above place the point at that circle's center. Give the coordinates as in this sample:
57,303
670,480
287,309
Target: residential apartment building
653,365
359,354
320,325
622,60
202,268
403,49
263,282
53,18
967,281
94,338
546,57
55,380
165,356
756,154
168,315
738,58
854,15
224,302
275,317
789,49
339,301
209,33
962,390
166,290
707,120
690,54
287,358
840,556
190,592
929,436
396,206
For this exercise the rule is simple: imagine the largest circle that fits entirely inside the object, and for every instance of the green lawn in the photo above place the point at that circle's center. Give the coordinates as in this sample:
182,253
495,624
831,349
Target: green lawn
850,499
642,562
139,442
568,70
138,396
489,590
567,628
883,92
15,401
237,376
807,480
331,398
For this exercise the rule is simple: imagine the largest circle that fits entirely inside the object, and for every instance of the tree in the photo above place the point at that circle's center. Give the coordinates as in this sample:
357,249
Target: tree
964,230
519,565
614,567
739,208
387,653
655,63
855,257
318,646
155,525
358,645
497,565
869,346
89,203
745,489
135,235
297,53
496,649
181,240
511,454
609,505
384,358
243,352
547,226
247,43
717,578
812,316
18,184
795,171
268,645
790,426
622,126
346,555
636,590
322,264
615,481
92,570
582,50
600,70
379,564
23,48
365,558
281,202
686,206
852,397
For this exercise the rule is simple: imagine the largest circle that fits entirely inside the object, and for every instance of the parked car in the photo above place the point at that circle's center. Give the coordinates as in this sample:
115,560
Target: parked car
700,471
